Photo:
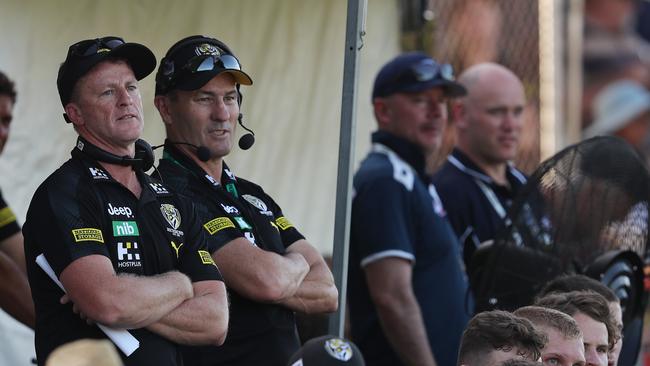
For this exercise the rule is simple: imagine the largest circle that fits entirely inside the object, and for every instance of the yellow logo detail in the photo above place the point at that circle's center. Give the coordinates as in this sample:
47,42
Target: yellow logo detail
176,248
283,223
88,234
217,224
206,258
6,216
274,225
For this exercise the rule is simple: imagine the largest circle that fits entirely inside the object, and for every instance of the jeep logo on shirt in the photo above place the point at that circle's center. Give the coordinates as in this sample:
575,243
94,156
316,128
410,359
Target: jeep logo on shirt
119,211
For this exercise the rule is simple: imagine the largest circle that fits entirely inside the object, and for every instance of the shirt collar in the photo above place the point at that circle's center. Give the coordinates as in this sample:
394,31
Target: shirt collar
406,150
461,161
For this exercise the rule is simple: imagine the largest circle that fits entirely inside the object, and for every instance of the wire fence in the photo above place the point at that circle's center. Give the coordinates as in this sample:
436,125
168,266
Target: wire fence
466,32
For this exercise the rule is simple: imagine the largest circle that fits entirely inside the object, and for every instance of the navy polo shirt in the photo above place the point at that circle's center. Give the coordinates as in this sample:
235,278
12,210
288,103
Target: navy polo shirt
396,213
472,199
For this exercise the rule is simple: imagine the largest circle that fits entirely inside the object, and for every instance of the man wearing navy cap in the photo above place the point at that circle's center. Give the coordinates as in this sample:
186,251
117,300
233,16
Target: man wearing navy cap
127,250
270,269
408,294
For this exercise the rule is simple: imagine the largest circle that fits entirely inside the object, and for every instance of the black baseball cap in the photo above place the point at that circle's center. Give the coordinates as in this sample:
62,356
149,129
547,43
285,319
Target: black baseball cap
327,351
414,72
84,55
193,61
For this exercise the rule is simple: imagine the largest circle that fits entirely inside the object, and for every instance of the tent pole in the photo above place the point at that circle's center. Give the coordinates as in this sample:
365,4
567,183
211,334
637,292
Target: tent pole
355,31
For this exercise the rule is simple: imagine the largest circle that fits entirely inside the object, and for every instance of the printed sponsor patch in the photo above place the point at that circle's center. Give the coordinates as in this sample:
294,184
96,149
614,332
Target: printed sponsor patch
176,247
125,228
206,258
98,173
158,188
88,234
283,223
128,255
217,224
6,216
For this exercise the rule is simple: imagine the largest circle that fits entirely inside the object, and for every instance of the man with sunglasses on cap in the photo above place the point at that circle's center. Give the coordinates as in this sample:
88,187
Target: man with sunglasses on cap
407,290
128,251
270,269
477,183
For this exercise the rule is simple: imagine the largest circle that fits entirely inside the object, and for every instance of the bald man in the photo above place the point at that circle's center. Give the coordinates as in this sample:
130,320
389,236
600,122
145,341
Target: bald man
477,182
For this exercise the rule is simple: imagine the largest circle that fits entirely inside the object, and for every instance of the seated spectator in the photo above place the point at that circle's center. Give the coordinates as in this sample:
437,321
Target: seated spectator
570,283
492,337
565,343
591,312
520,362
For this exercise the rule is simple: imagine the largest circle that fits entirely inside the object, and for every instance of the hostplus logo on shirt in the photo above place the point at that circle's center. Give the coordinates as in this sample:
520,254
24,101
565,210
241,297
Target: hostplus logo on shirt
128,255
98,173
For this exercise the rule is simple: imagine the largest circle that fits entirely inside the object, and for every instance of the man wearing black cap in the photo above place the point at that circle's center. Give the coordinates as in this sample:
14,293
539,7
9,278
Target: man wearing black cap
408,294
127,251
269,268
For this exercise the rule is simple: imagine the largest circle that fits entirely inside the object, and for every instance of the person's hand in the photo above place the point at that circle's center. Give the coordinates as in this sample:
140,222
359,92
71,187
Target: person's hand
65,299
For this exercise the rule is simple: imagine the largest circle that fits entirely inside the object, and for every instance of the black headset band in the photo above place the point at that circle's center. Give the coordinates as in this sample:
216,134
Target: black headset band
143,159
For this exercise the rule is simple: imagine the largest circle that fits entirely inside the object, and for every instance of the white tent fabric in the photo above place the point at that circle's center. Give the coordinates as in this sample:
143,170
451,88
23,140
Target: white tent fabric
293,49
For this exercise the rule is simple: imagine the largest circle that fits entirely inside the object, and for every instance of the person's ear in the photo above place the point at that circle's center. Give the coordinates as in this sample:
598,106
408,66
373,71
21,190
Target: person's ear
458,113
162,104
382,111
74,114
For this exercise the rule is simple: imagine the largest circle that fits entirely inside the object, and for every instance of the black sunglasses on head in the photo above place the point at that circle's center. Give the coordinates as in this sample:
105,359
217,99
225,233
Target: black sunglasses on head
211,62
94,46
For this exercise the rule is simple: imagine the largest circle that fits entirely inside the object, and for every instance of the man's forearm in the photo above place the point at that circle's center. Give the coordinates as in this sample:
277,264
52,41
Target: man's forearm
404,327
15,295
200,320
316,294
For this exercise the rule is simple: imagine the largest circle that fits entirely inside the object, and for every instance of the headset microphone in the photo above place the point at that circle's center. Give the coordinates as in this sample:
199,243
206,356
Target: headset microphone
247,140
203,153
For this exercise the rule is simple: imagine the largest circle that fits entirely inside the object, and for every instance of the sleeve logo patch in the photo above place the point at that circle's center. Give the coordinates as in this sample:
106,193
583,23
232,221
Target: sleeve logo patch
215,225
88,234
6,216
206,258
283,223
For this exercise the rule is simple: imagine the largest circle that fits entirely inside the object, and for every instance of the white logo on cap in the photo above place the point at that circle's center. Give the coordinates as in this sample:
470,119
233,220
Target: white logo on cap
338,349
207,49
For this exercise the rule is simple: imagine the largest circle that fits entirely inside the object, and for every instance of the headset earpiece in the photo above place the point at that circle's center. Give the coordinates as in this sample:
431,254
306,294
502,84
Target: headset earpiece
144,153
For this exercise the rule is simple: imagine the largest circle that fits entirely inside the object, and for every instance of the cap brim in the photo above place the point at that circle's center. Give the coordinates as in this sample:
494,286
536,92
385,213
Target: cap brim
197,80
139,57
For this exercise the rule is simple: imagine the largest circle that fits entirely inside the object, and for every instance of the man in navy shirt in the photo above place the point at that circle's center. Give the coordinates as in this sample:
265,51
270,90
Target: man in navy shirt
407,290
477,183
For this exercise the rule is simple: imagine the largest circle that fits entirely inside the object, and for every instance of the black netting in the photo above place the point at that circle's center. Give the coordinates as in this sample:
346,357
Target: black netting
579,210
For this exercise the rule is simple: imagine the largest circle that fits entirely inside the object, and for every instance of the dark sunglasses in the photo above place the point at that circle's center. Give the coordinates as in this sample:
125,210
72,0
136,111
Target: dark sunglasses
427,70
211,62
94,46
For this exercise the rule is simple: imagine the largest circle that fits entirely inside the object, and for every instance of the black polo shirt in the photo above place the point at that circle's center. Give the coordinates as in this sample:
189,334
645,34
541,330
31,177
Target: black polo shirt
259,333
81,210
475,204
8,224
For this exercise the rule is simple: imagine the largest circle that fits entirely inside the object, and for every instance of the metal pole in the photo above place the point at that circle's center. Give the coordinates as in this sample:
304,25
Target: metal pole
353,43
